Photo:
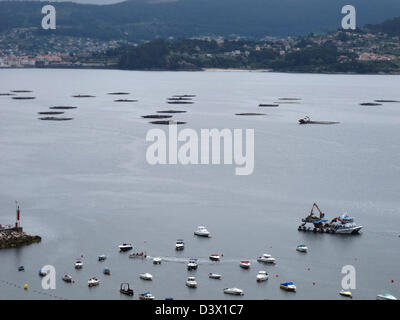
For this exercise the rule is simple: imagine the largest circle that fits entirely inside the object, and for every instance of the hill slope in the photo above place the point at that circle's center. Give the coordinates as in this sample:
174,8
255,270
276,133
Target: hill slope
144,19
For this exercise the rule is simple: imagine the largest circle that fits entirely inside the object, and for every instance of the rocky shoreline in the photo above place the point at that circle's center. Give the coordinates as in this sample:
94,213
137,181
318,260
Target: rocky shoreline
16,239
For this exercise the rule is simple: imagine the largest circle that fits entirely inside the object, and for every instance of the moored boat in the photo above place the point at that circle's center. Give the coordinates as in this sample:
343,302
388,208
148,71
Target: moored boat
191,282
125,247
125,289
302,248
157,260
385,296
146,296
288,286
215,276
146,276
21,268
262,276
102,257
42,273
234,291
345,293
107,272
215,257
93,282
266,258
78,264
245,264
67,278
202,232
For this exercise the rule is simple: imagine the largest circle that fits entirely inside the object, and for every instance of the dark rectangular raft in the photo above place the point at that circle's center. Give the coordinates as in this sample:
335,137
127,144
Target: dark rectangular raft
266,105
55,119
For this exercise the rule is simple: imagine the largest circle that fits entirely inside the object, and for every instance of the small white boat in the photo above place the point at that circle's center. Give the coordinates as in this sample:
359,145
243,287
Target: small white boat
245,264
234,291
102,257
146,276
385,296
266,258
202,232
215,257
192,264
125,247
302,248
93,282
157,260
345,293
146,296
67,278
214,276
191,282
78,264
288,286
180,245
262,276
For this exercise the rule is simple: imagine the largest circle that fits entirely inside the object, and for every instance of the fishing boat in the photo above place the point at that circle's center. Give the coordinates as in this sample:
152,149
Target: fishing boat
214,276
385,296
262,276
302,248
202,232
192,264
266,258
102,257
107,272
78,264
146,276
307,120
93,282
125,289
125,247
191,282
21,268
215,257
42,273
234,291
67,278
245,264
157,260
288,286
180,245
345,293
146,296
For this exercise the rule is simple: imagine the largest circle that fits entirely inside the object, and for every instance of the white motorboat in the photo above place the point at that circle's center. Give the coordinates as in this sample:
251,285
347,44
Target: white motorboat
78,264
245,264
146,296
385,296
266,258
215,257
344,225
191,282
345,293
157,260
180,245
146,276
214,276
202,232
93,282
234,291
67,278
125,247
192,264
302,248
262,276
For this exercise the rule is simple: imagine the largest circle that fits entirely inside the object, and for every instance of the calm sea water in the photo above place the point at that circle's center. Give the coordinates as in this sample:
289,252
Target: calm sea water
85,185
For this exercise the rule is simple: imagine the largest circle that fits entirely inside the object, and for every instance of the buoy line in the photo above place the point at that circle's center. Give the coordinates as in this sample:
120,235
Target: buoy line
33,290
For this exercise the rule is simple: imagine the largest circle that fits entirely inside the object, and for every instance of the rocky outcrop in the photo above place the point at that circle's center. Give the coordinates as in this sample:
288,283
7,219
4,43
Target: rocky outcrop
15,239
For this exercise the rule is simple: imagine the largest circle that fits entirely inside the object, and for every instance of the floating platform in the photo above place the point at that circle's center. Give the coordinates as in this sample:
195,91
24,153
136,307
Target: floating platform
63,108
23,98
370,104
172,111
156,116
55,119
250,114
